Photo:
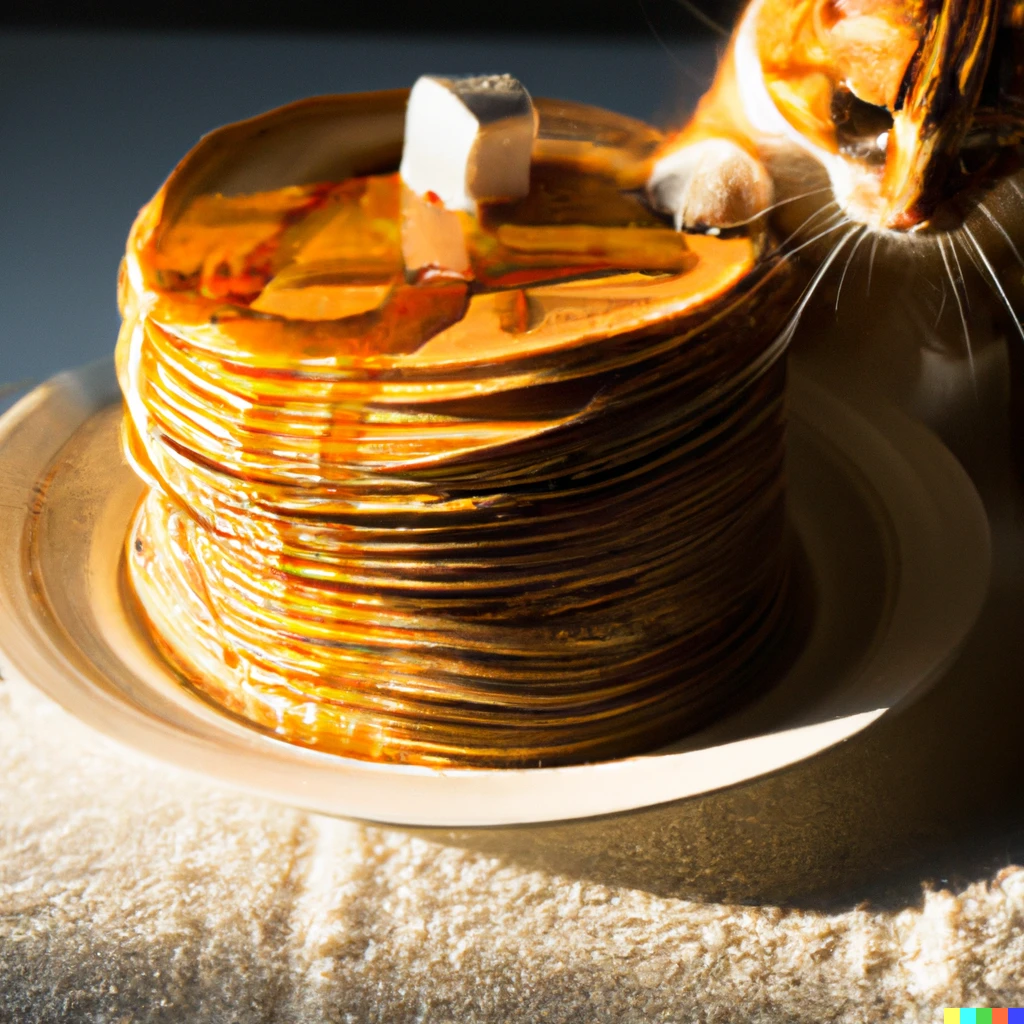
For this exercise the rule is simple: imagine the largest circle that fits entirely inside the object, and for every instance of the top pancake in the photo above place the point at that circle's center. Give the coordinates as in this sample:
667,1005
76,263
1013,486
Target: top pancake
260,249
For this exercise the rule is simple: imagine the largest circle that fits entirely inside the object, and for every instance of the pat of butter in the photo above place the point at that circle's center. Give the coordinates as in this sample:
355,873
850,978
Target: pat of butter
468,140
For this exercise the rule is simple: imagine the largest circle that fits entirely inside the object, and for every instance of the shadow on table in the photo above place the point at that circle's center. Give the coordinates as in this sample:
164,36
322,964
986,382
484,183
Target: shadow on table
927,797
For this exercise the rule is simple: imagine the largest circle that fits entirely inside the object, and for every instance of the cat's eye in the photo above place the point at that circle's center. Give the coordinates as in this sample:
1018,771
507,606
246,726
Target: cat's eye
861,128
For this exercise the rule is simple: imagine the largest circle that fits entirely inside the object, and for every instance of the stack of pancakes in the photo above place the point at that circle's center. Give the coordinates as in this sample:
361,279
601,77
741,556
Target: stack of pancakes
531,513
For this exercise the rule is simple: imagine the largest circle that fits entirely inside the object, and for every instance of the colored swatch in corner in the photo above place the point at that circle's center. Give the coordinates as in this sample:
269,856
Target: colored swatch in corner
987,1015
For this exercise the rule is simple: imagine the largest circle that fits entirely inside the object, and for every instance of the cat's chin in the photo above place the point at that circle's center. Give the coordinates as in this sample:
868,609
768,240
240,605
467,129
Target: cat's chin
858,192
860,197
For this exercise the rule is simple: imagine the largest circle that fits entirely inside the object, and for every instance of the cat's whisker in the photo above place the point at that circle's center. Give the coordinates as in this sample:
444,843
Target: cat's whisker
871,260
960,269
806,222
942,304
994,281
849,261
808,292
956,295
999,227
957,285
784,202
969,252
840,220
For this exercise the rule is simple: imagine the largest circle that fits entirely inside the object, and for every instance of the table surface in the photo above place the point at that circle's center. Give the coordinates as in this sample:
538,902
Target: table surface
127,892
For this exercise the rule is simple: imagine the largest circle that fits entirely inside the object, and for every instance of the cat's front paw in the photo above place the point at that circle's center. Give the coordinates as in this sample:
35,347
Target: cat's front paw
713,183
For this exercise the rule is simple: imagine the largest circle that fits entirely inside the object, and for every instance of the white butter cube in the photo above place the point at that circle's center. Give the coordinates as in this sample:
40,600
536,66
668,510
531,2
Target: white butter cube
468,139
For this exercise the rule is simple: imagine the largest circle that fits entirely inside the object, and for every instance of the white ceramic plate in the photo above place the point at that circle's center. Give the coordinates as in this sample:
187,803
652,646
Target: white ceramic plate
894,535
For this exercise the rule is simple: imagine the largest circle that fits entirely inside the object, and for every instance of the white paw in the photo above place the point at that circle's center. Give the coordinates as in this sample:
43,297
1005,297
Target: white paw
710,184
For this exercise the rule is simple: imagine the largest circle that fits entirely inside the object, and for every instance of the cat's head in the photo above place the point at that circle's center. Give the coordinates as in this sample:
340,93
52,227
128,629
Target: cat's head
903,102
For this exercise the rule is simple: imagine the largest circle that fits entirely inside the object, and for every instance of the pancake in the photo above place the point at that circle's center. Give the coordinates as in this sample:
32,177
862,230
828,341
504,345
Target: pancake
529,509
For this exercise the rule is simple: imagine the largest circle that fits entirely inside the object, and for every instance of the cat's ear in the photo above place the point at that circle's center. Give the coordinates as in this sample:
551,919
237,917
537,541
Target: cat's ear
711,183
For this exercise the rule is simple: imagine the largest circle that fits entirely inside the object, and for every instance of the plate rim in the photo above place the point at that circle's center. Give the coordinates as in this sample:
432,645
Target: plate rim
90,389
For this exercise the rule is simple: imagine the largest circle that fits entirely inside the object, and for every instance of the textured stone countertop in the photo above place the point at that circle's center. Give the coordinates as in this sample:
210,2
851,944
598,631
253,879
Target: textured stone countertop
836,891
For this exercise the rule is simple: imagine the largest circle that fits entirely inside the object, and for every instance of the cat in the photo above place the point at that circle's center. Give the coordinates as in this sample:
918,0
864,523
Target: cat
882,138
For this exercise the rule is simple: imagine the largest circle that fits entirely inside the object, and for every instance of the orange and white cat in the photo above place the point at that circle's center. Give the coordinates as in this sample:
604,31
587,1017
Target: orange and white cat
885,95
896,124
